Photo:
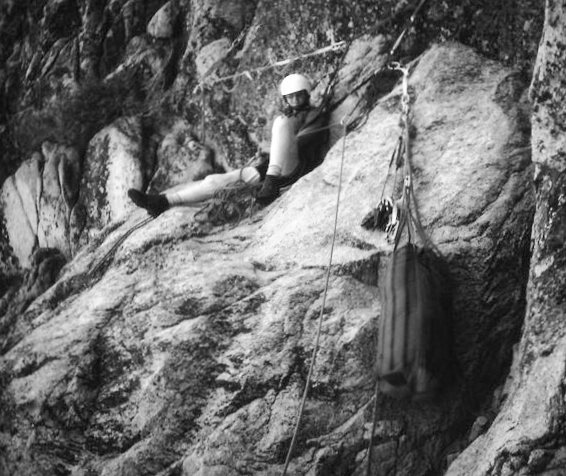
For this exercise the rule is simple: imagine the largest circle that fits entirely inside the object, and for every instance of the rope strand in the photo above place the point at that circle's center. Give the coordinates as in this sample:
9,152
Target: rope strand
119,241
320,319
248,73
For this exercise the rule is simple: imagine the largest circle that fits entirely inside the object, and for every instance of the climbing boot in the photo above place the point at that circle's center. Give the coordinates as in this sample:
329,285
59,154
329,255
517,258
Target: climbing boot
269,190
154,204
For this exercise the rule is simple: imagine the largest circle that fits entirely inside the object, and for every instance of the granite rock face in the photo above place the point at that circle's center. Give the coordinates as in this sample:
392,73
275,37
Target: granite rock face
527,436
180,347
187,351
89,65
181,158
37,201
113,164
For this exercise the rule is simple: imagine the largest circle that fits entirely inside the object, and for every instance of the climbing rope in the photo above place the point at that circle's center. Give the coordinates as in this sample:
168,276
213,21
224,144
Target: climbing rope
344,124
229,204
336,46
203,118
405,102
119,241
409,209
374,423
322,306
212,79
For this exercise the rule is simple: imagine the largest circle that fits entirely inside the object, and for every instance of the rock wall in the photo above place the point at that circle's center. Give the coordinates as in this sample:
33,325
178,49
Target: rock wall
187,351
72,70
37,201
528,435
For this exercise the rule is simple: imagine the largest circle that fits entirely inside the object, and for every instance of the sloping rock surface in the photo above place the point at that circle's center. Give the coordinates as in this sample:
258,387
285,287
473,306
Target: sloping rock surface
185,350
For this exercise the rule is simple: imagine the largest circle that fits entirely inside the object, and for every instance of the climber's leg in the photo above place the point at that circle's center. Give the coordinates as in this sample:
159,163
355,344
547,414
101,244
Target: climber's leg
191,193
195,192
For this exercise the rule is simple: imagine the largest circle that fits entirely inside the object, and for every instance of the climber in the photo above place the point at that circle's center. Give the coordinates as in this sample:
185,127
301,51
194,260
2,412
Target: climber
298,144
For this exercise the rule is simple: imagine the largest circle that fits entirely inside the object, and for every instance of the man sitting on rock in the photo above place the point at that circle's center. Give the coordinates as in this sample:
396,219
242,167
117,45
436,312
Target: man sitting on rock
298,144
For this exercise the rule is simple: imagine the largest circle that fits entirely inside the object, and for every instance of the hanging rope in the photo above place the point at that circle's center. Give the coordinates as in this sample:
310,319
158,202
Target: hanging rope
374,423
344,124
211,79
322,306
203,118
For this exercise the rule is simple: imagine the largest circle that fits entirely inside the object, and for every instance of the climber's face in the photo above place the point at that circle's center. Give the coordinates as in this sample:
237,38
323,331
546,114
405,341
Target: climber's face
297,100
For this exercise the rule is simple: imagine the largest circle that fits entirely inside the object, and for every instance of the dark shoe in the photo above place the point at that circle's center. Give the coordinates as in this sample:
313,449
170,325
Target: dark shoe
269,190
154,204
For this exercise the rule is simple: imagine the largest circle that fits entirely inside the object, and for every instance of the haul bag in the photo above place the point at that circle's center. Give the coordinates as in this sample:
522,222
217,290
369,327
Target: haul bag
414,343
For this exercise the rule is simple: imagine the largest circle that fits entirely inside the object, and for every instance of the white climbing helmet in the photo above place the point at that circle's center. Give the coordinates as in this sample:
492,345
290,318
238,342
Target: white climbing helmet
294,83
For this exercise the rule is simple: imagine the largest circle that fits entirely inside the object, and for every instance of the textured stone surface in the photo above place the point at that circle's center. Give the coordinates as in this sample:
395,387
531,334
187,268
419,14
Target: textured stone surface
113,164
211,55
37,201
118,373
21,233
44,267
29,185
60,184
162,24
528,434
181,158
187,351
